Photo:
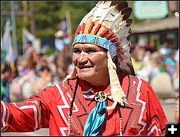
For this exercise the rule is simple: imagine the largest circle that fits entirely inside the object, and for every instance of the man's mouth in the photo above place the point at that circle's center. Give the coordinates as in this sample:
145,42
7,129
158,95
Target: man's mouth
83,67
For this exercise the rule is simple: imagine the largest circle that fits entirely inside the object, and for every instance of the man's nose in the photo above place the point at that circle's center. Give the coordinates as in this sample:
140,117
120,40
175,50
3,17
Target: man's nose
82,57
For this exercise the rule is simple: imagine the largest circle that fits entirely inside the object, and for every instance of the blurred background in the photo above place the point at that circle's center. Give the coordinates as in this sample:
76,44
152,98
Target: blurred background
36,38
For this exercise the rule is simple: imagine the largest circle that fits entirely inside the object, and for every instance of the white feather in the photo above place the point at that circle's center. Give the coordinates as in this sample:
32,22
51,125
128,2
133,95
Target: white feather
123,32
116,18
88,15
123,42
109,16
126,48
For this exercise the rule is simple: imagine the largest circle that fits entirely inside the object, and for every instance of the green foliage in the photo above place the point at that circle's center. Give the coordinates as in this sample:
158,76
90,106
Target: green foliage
47,15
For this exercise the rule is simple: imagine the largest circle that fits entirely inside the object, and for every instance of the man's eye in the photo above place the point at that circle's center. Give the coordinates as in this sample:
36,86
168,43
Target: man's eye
89,51
76,51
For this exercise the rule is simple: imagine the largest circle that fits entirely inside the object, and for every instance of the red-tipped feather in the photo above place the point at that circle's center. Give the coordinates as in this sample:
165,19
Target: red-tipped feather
104,31
91,26
117,43
97,28
114,38
78,30
110,34
83,27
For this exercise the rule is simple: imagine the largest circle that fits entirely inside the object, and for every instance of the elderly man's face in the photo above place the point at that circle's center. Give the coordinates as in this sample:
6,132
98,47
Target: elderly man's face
91,63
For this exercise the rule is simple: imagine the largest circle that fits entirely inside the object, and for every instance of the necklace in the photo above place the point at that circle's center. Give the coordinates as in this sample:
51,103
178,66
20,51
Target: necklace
120,118
71,106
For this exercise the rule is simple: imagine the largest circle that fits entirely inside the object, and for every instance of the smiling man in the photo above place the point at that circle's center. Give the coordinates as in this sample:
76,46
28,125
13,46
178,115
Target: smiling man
91,64
102,96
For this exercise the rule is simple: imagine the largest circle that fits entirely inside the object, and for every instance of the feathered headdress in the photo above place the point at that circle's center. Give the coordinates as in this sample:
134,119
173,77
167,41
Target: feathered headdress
107,26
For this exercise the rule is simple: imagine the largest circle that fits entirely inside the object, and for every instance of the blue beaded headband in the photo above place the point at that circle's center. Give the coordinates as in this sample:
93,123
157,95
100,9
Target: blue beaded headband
110,46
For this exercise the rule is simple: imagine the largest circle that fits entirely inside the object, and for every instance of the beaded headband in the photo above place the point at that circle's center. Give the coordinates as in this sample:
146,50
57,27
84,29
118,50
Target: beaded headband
102,42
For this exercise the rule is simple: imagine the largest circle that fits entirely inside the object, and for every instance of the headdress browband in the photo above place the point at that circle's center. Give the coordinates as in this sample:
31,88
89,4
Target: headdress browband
102,42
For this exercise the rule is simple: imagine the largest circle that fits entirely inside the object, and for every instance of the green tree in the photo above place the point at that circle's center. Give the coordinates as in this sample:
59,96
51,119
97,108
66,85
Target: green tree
47,16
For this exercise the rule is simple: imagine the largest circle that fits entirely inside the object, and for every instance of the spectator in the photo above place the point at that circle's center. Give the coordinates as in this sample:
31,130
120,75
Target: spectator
176,72
137,59
170,64
42,81
7,76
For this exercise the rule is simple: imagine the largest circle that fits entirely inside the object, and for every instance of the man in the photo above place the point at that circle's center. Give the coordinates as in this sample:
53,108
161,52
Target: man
102,96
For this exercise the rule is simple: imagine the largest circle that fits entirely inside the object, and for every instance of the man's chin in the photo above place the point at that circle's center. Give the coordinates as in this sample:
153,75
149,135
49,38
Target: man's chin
85,77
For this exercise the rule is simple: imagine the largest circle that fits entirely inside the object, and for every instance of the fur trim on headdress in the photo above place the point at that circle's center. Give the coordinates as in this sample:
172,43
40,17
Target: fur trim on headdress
116,89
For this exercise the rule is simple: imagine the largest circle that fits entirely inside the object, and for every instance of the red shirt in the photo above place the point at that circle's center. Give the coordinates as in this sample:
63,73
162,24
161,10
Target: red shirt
49,109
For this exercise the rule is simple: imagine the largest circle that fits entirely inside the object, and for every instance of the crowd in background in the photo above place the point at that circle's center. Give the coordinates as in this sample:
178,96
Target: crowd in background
148,63
35,71
32,73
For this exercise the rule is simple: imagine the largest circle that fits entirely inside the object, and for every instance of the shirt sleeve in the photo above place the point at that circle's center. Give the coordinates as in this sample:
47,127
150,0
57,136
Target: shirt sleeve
155,115
27,116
